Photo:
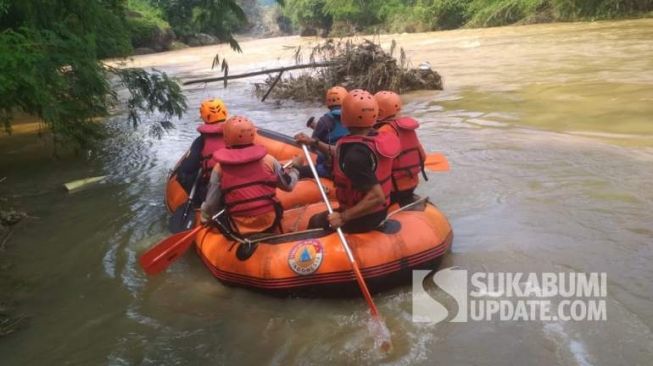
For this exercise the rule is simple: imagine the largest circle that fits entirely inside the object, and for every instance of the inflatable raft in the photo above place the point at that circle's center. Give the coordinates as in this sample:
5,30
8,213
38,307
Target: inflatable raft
282,148
314,263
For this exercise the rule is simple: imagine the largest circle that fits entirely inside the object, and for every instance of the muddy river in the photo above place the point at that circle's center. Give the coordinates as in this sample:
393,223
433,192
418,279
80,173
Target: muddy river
549,132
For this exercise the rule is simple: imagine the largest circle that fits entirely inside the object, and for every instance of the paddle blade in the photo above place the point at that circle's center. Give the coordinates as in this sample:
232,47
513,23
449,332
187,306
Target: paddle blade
181,220
159,257
436,162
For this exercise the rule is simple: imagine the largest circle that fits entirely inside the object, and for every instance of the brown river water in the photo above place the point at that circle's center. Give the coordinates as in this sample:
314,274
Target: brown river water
549,132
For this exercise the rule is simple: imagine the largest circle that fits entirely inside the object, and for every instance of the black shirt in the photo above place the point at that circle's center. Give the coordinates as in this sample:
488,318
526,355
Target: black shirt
358,163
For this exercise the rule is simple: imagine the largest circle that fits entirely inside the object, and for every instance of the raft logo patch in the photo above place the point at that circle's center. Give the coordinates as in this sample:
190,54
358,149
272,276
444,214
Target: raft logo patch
306,256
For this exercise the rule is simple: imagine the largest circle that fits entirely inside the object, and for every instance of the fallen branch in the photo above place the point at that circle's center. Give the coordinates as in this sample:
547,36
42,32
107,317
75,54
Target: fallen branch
81,183
262,72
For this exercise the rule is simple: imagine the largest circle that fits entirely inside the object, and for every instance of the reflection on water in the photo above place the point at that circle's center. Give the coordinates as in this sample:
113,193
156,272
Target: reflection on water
548,131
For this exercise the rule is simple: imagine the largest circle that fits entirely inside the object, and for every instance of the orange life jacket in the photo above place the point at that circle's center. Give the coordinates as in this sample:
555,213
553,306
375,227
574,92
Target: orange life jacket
247,187
384,147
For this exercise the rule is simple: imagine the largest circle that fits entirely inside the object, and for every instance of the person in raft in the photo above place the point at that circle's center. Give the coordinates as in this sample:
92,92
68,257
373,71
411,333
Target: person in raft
244,181
200,155
362,168
410,161
328,130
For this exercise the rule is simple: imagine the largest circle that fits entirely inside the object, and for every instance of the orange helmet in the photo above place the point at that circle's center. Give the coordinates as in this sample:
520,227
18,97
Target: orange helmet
359,109
335,96
239,130
389,104
213,111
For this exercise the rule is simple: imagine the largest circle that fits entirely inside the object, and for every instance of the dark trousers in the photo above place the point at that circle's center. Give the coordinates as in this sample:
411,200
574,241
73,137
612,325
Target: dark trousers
402,197
359,225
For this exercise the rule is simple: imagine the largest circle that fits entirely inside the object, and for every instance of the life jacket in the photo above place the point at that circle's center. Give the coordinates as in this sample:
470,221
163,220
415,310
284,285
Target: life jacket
384,147
213,141
338,130
410,162
247,187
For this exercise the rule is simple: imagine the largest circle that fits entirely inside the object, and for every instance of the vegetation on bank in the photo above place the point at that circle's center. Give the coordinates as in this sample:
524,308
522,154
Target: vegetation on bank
51,68
342,17
50,57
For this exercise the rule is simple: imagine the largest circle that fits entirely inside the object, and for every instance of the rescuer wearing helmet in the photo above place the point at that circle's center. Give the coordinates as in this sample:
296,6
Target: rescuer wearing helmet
410,161
200,155
328,129
362,168
244,181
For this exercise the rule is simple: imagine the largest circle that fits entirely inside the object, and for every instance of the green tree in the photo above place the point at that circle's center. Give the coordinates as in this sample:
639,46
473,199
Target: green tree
51,68
219,18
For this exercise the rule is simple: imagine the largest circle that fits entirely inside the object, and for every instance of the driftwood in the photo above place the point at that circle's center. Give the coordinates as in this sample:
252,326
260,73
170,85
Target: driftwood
81,183
365,65
255,73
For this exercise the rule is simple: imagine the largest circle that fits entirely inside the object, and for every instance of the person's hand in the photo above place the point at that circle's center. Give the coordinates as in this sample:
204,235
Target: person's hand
296,161
336,220
303,138
311,122
204,217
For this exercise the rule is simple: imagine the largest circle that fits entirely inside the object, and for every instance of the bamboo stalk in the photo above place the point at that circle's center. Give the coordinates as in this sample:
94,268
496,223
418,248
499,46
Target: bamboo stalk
255,73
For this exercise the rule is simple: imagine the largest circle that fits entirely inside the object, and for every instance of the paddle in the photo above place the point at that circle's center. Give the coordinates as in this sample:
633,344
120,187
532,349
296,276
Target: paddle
436,162
181,220
277,136
382,333
160,256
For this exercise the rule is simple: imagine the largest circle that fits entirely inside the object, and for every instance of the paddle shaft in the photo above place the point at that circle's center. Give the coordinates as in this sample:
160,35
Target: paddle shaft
357,272
191,195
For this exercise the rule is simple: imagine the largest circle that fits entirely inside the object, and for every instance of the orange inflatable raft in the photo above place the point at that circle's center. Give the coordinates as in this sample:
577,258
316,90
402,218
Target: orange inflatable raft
314,263
282,148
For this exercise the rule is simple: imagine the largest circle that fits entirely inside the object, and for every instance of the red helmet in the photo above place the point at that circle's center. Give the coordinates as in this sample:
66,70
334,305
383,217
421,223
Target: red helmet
239,130
213,111
359,109
335,96
389,104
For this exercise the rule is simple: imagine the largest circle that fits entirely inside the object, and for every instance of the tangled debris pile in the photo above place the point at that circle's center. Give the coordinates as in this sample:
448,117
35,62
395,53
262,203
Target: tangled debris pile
365,65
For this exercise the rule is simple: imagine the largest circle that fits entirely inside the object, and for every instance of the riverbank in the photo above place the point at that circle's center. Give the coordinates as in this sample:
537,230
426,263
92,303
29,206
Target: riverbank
351,17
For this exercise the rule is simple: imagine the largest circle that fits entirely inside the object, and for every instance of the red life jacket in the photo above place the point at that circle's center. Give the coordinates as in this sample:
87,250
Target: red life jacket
384,147
213,141
410,162
247,187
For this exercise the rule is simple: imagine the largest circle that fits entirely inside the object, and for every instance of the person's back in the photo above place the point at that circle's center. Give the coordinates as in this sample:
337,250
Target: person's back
410,161
244,181
200,156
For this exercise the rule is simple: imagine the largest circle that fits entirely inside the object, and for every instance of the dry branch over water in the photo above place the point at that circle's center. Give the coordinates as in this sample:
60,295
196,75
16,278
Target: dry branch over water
365,65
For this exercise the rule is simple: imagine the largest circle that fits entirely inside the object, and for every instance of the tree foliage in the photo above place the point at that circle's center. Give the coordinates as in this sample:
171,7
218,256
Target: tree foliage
220,18
424,15
49,57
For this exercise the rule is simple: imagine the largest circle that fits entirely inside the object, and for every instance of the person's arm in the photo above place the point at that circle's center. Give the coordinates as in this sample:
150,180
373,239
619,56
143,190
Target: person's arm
321,129
324,148
191,164
213,202
373,198
286,178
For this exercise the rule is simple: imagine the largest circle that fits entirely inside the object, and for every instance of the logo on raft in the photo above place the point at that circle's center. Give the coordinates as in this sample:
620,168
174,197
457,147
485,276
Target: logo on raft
306,256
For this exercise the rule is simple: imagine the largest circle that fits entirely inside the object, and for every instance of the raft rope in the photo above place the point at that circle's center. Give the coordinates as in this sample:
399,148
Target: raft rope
421,200
247,241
